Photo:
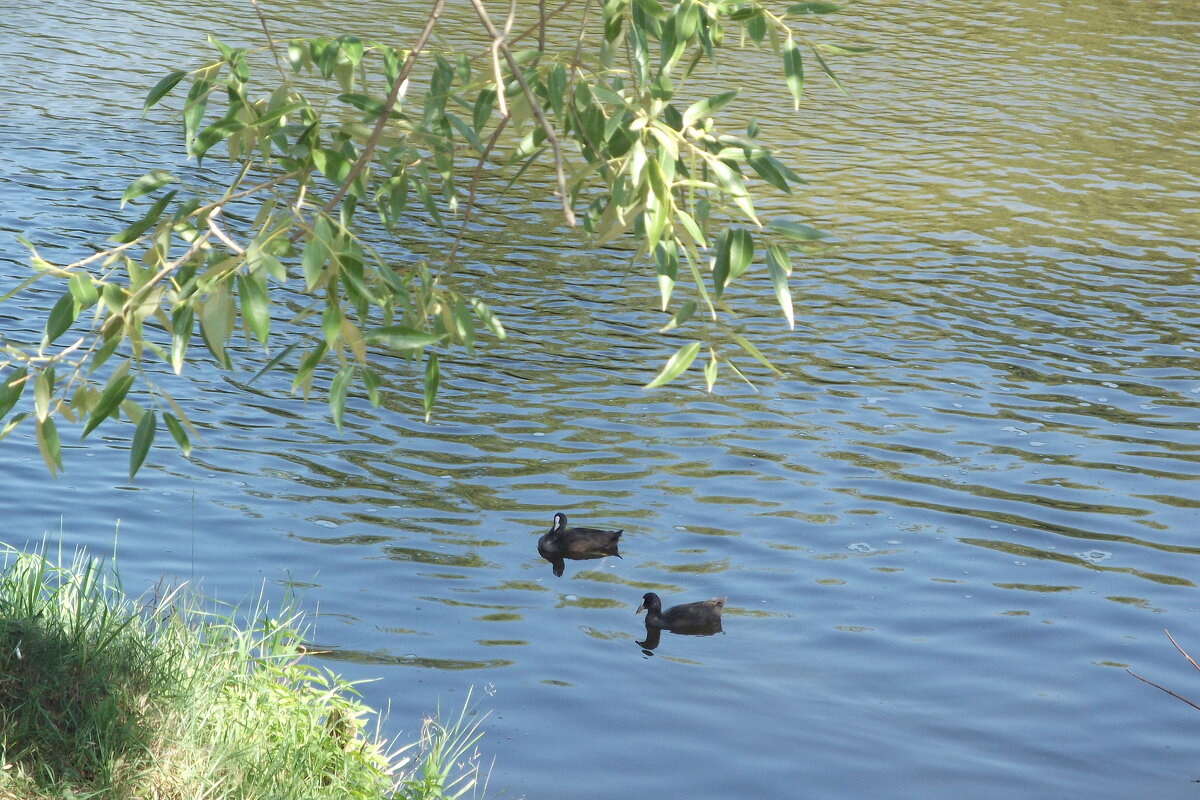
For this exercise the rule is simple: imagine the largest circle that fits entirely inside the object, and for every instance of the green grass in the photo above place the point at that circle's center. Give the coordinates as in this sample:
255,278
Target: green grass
102,697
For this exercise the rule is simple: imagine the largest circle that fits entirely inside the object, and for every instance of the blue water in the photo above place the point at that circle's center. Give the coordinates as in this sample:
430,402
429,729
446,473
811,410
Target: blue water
969,503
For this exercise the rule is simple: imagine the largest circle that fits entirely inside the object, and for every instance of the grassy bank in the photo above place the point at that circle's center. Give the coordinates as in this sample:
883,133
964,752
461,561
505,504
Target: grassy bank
101,696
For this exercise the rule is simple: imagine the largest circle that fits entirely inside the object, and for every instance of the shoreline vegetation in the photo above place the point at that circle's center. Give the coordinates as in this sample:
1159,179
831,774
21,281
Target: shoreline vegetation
103,696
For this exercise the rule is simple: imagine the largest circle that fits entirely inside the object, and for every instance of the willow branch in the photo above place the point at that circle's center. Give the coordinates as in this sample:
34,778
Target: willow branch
534,105
394,95
262,20
476,175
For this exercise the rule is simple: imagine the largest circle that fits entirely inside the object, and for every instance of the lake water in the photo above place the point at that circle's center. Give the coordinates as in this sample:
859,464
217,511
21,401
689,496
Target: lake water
970,503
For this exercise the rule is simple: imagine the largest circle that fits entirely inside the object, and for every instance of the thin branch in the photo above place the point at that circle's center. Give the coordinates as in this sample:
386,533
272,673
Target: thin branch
534,105
1180,649
541,27
398,84
1164,689
478,173
287,79
222,235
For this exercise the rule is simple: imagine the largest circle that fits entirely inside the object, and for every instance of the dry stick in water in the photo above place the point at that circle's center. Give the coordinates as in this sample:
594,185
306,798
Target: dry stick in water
1163,688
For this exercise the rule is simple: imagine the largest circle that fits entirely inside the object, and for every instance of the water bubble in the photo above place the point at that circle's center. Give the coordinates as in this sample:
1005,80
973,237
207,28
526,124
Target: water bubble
1019,563
1109,384
325,523
894,541
1094,556
860,547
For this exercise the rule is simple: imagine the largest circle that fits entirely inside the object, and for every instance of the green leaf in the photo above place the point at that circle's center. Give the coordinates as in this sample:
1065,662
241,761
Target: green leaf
730,182
162,87
432,377
793,72
756,27
151,217
316,252
216,321
666,261
398,337
296,53
146,184
83,290
710,372
743,11
11,389
796,230
691,227
43,386
556,89
217,132
773,171
337,393
12,424
825,68
255,311
846,49
813,8
779,266
488,318
193,109
366,104
61,316
331,323
682,315
352,47
182,322
482,111
741,252
752,350
49,445
720,268
372,381
274,362
703,108
675,365
110,398
143,437
178,433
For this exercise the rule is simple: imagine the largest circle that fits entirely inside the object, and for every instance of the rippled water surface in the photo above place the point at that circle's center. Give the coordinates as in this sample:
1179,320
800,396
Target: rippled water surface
969,502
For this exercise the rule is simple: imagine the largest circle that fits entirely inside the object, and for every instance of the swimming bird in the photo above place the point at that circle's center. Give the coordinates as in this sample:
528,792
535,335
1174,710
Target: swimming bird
563,542
701,618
